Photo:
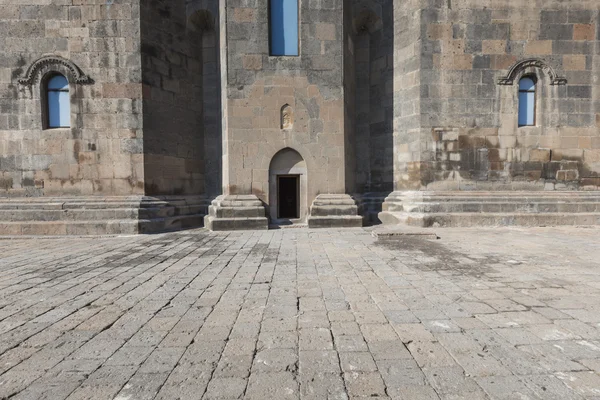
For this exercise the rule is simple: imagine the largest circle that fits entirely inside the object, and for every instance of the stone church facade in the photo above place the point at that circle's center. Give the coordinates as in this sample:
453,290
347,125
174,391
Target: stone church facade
422,112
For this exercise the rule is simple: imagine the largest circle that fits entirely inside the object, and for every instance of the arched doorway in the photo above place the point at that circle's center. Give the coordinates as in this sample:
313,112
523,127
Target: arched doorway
287,188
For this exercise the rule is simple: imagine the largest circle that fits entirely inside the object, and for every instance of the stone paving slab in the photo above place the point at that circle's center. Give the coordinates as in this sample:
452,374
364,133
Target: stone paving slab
511,313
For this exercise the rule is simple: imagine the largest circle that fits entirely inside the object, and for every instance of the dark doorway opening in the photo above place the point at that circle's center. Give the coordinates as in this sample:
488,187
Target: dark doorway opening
288,190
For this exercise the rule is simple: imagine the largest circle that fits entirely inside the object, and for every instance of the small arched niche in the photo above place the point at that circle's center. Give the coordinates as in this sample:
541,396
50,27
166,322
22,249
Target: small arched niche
288,184
287,117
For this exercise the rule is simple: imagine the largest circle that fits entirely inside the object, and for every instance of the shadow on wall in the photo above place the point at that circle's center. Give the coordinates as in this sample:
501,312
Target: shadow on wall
373,38
203,19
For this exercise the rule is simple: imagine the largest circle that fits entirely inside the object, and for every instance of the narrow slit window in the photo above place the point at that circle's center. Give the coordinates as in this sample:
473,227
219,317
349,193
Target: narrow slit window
527,101
284,27
59,103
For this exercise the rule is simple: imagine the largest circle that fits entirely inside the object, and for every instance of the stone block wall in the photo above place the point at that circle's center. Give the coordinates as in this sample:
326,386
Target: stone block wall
407,94
172,62
469,137
273,103
102,152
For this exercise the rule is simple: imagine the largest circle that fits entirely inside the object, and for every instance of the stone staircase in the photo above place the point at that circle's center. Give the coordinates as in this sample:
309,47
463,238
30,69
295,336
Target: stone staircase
100,215
464,209
235,213
334,211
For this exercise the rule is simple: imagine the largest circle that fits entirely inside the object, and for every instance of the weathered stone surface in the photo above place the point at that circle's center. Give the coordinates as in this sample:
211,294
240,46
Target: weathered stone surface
334,211
236,212
455,208
307,314
185,99
100,215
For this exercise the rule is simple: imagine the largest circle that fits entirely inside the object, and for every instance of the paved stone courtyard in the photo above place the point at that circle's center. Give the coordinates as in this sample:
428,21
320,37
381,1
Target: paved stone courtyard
298,313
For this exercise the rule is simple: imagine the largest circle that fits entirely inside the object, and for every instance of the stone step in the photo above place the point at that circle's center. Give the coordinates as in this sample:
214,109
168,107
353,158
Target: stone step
490,219
100,227
169,224
100,215
492,208
334,211
478,197
61,228
335,222
83,214
237,201
170,211
337,210
334,202
236,224
237,212
13,205
525,207
68,215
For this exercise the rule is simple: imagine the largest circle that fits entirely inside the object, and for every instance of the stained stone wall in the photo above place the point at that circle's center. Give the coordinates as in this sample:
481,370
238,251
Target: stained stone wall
258,86
172,61
408,53
102,151
469,137
184,97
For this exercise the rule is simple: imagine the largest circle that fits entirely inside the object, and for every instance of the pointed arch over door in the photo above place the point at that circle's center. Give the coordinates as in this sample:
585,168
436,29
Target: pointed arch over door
288,186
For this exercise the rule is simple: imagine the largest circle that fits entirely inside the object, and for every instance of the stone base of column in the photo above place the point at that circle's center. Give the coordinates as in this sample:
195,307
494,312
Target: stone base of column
236,213
334,211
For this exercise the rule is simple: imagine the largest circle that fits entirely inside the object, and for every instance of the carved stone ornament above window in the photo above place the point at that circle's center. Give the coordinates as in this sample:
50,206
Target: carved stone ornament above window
58,64
513,72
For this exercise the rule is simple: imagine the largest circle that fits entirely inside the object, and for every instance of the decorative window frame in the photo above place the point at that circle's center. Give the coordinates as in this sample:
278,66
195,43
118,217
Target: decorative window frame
44,68
546,78
54,64
517,71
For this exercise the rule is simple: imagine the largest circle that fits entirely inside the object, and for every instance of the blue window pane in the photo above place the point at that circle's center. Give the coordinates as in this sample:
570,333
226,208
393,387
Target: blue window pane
58,82
65,109
284,27
526,84
526,108
59,103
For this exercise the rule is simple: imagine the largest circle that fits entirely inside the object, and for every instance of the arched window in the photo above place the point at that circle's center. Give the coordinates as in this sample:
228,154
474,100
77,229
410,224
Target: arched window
527,101
58,102
283,21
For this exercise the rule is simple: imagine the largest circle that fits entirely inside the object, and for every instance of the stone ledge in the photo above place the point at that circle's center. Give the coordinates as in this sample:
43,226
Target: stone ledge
100,215
467,209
